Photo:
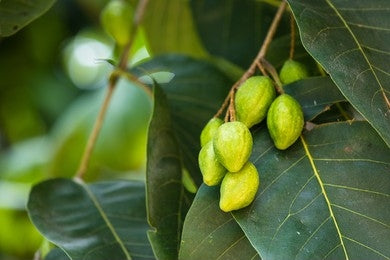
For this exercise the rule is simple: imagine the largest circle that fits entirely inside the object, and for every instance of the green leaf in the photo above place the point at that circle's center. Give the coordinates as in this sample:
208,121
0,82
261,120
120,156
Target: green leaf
169,27
234,29
209,233
94,221
16,14
326,197
165,191
56,254
315,95
350,39
194,95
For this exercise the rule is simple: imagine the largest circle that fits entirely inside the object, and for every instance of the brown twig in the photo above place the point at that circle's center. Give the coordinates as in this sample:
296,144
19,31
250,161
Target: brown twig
292,36
110,90
274,74
252,68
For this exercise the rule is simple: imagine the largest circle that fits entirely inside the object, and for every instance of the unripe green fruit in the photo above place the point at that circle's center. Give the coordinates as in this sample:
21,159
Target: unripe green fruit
292,71
209,130
253,99
238,189
211,169
285,121
233,145
117,20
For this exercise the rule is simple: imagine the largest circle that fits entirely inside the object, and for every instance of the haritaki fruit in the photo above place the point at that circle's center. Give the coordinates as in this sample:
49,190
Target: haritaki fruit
212,170
238,189
285,121
117,20
253,99
233,145
292,71
209,130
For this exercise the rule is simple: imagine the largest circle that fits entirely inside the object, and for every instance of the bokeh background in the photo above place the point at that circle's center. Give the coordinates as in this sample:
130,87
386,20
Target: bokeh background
53,75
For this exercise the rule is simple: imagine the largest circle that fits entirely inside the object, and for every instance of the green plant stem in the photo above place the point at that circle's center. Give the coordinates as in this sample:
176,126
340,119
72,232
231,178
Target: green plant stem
229,100
292,36
274,74
110,90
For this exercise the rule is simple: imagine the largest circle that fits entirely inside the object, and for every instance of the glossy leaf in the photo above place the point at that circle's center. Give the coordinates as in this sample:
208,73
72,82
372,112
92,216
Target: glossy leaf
166,198
351,41
326,197
94,221
15,14
315,95
194,96
169,27
209,233
234,29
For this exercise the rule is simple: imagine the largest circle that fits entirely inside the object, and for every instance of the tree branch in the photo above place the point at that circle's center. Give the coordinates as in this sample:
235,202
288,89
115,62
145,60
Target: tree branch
110,90
256,62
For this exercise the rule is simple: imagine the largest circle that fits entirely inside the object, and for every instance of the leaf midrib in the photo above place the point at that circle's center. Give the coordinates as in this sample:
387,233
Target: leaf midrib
361,50
320,182
105,218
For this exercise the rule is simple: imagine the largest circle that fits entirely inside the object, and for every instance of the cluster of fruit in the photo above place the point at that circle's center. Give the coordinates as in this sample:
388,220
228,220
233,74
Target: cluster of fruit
227,146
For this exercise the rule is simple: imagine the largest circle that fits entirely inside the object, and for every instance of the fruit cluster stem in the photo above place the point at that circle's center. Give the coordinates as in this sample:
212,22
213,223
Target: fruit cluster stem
110,90
229,100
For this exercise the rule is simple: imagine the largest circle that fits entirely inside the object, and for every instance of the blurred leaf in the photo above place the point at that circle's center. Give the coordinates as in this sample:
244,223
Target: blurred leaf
16,227
209,233
166,198
326,197
25,161
350,39
15,14
169,27
56,254
95,221
122,142
233,29
194,96
315,95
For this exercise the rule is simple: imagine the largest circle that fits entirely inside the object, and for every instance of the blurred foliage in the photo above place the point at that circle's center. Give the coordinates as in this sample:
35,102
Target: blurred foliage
52,81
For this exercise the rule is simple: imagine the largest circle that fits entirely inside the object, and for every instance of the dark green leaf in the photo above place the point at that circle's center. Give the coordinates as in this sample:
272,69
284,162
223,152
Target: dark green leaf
169,27
165,191
233,29
209,233
351,41
96,221
194,96
314,94
326,197
56,254
15,14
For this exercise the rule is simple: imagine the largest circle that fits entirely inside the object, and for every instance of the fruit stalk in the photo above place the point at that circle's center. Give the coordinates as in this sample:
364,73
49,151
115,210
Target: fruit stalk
110,89
252,68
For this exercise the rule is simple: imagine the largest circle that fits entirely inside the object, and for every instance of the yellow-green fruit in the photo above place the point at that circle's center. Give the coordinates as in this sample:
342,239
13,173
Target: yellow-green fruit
253,99
292,71
117,20
233,145
285,121
211,169
238,189
209,130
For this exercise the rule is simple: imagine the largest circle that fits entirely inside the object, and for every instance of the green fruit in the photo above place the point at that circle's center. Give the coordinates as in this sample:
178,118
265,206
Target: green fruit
238,189
233,145
209,130
292,71
211,169
285,121
253,99
117,20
